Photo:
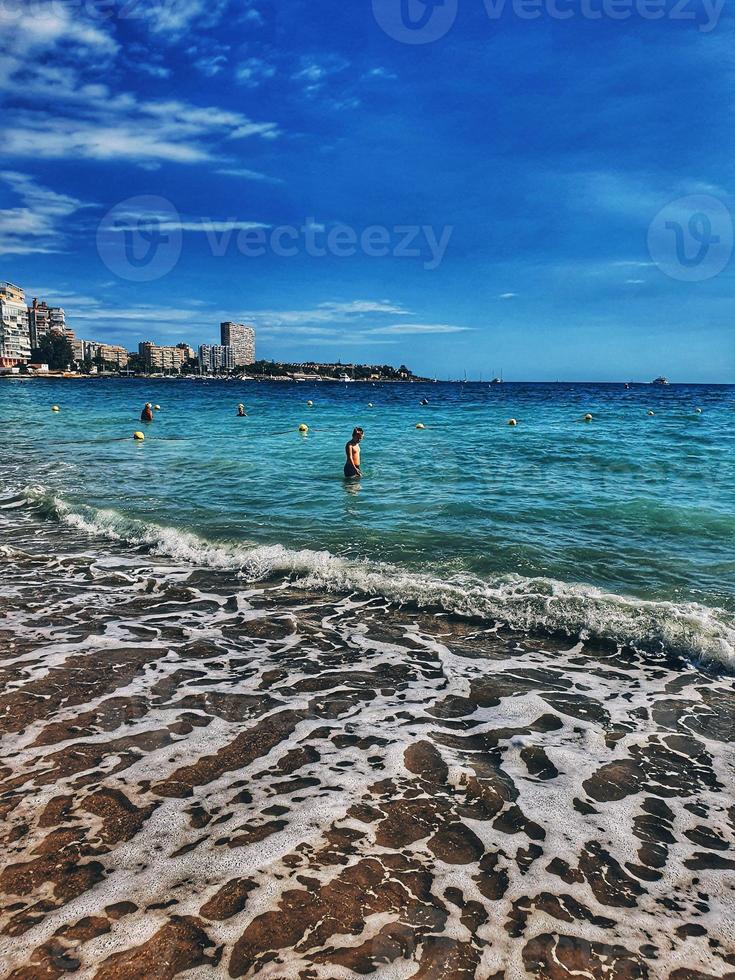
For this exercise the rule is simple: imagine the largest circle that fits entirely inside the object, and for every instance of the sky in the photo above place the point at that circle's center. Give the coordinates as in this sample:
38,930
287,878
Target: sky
538,187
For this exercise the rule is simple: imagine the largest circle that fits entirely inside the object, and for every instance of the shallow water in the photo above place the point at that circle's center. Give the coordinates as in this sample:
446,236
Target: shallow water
551,524
296,729
203,776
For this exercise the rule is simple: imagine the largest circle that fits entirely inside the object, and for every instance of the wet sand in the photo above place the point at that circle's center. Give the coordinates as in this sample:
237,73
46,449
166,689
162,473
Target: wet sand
206,779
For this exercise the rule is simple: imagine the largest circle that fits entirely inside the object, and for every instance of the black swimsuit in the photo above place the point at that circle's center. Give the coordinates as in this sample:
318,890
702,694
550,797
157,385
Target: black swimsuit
350,470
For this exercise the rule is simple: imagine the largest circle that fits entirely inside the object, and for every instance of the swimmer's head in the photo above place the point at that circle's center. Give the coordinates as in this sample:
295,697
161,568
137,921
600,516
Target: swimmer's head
357,434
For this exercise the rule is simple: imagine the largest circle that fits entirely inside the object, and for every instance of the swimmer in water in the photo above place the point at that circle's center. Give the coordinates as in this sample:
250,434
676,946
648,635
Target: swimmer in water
241,411
147,414
352,449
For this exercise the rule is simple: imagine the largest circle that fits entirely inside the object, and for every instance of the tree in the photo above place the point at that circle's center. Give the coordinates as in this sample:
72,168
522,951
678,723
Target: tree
136,362
54,350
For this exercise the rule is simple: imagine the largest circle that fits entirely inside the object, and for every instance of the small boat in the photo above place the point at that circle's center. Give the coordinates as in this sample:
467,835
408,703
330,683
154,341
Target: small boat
660,381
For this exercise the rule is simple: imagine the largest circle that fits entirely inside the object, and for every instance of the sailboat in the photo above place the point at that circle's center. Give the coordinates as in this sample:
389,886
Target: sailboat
497,381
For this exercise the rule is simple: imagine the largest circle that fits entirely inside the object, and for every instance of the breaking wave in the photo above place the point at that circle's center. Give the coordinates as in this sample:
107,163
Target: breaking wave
522,603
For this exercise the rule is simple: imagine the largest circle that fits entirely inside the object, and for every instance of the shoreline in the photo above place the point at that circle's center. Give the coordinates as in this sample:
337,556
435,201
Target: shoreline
205,776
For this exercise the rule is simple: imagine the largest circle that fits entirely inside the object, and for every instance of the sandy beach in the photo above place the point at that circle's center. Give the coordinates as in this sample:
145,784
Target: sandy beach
201,780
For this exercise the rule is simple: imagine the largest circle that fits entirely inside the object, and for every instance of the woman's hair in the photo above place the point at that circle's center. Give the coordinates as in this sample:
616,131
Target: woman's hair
358,432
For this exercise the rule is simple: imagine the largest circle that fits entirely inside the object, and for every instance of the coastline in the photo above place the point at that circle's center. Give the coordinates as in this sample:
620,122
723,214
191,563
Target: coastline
260,726
267,780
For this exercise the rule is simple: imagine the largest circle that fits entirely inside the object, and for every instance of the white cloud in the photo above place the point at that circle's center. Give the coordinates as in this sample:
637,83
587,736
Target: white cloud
508,295
328,312
122,127
245,174
172,19
54,59
382,73
253,72
35,226
314,74
211,66
419,328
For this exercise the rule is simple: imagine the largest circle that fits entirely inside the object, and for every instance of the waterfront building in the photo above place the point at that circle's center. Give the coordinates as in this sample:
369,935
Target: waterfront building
15,338
111,354
216,357
189,353
44,319
241,338
158,358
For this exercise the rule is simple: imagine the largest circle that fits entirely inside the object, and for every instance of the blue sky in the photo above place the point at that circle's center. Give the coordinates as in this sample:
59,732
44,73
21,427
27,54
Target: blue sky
537,171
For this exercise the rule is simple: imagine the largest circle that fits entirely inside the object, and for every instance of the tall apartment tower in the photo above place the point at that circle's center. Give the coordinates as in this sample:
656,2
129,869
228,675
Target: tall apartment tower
216,357
15,338
44,319
241,339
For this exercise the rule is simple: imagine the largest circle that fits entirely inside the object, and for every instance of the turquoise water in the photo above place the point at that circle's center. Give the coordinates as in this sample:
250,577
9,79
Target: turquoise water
530,522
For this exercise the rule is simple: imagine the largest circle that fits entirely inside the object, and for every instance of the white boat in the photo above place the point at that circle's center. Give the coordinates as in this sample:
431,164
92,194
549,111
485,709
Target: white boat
660,381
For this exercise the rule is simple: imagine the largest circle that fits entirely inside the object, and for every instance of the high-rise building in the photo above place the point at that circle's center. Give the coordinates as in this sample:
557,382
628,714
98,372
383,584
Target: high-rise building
216,357
189,353
161,358
241,339
109,354
44,319
15,338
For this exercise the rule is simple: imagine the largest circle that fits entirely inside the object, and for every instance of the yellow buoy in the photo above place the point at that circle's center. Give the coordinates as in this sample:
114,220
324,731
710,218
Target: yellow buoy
138,436
420,425
303,428
157,408
588,417
55,408
512,422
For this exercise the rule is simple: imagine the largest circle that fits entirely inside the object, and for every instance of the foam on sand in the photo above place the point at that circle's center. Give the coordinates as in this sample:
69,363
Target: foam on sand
533,604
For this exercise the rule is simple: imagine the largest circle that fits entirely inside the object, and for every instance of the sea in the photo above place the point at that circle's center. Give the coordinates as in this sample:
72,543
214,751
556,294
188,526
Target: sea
471,715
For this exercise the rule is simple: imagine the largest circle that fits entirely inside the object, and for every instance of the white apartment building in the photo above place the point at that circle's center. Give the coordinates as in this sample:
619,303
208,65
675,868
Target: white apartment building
15,338
241,338
216,357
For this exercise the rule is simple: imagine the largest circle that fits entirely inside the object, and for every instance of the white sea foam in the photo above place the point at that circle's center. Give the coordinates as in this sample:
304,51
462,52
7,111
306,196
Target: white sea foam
530,604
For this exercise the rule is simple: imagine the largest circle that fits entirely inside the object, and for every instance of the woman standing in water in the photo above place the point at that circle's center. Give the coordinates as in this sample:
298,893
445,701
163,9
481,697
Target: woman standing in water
352,449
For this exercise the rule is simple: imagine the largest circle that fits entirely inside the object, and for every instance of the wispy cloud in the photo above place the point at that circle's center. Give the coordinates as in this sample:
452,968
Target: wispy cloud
419,328
313,73
170,21
245,174
253,72
36,225
348,312
52,58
